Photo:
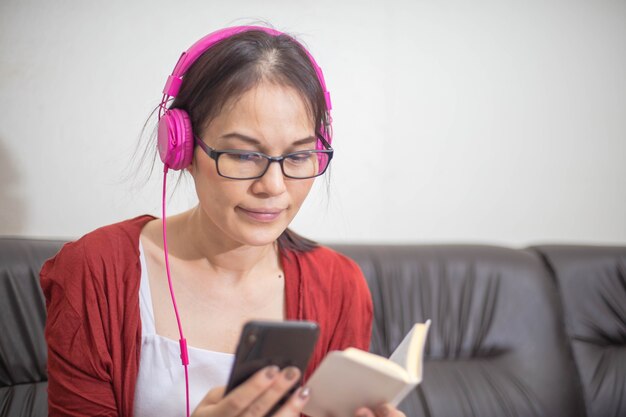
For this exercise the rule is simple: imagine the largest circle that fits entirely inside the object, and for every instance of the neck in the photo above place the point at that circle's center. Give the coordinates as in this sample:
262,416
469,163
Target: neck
199,240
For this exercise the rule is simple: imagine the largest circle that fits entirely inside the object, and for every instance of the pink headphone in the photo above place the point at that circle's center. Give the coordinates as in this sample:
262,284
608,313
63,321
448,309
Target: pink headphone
175,134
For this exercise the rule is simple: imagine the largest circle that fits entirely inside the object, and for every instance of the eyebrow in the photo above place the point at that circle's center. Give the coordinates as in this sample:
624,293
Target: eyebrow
253,141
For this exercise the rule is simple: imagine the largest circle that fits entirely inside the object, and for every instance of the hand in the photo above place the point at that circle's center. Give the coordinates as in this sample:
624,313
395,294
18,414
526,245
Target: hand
384,410
257,396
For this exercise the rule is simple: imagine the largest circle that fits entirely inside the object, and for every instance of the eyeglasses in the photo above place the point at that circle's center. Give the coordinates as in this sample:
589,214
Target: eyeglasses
237,164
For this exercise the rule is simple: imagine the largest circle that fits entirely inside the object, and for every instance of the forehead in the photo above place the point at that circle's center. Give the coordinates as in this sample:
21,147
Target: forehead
267,108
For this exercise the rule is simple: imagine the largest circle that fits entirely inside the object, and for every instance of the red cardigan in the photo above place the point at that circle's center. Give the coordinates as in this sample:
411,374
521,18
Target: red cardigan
93,327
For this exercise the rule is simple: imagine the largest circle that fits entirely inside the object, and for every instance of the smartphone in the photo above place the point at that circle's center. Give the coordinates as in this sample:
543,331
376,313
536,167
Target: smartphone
265,343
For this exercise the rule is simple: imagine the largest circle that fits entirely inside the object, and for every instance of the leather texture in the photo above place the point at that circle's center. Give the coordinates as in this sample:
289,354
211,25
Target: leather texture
497,346
592,283
23,377
536,332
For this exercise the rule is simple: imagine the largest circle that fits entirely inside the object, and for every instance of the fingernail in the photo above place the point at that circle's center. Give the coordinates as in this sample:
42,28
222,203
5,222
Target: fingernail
304,393
271,371
290,373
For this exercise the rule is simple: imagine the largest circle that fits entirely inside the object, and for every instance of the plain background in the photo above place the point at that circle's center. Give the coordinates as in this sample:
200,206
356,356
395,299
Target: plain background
481,122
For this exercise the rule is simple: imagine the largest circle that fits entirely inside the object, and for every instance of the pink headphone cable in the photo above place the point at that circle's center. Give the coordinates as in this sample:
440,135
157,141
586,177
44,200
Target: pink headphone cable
184,355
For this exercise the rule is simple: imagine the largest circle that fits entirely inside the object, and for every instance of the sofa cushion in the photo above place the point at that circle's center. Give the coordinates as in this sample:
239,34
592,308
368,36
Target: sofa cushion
496,346
23,377
592,283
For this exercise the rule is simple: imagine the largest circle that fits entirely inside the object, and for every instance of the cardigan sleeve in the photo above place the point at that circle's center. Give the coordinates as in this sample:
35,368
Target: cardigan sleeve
79,364
353,309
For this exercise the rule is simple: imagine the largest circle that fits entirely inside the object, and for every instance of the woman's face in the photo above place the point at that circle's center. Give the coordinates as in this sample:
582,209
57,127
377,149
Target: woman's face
269,118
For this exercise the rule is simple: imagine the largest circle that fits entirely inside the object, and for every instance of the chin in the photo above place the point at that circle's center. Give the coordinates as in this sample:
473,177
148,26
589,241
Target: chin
262,237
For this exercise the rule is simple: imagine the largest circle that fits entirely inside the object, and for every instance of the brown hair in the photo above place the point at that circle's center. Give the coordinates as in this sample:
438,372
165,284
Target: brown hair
235,65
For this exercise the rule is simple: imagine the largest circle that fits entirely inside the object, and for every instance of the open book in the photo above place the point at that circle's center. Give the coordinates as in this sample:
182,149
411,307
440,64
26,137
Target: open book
353,378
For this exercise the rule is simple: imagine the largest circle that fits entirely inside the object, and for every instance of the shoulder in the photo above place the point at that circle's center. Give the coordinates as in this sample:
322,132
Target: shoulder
326,269
327,261
325,258
101,253
117,240
113,238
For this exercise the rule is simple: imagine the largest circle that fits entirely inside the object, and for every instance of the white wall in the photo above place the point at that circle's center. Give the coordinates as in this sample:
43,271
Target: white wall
485,121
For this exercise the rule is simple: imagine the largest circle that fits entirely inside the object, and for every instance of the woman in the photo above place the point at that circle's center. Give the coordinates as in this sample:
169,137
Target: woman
250,123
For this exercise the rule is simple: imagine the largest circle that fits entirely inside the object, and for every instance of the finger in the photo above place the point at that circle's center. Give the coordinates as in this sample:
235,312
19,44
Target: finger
364,412
293,407
239,399
386,410
211,397
215,395
279,388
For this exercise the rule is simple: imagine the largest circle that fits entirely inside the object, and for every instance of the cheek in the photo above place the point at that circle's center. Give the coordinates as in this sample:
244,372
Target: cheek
211,189
300,190
218,193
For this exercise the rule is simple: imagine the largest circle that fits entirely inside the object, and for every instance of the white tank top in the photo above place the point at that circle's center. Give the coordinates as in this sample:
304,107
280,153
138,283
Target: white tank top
160,389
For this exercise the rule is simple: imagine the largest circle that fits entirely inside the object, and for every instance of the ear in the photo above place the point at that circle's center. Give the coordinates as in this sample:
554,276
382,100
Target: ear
191,168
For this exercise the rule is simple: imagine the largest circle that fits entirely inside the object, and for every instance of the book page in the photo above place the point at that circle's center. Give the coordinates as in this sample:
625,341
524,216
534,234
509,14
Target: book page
341,384
346,380
378,363
411,350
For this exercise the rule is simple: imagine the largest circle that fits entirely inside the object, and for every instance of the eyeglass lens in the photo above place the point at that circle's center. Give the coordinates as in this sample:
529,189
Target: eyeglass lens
250,165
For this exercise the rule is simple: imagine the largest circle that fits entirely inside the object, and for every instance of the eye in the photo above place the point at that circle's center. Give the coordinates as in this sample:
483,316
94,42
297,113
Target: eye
244,157
252,157
299,157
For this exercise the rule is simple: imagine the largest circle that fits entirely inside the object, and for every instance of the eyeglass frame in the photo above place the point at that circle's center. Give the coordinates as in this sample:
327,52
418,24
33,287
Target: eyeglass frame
215,154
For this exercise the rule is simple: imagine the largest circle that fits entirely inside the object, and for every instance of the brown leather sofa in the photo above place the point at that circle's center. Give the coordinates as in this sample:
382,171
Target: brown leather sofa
515,332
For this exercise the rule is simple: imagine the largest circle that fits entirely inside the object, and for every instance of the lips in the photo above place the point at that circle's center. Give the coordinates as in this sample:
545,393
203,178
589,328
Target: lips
261,214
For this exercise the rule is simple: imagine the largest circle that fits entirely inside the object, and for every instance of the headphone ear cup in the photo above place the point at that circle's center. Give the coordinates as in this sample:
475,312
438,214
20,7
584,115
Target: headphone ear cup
175,139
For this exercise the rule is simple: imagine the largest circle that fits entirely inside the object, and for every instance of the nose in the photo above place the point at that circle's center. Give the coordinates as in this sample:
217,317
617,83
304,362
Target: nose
272,182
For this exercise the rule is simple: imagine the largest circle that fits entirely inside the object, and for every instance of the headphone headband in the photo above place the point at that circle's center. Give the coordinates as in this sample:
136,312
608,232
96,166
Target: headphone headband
187,58
175,133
